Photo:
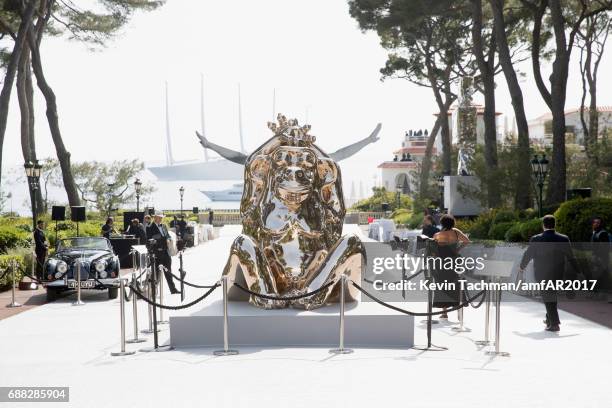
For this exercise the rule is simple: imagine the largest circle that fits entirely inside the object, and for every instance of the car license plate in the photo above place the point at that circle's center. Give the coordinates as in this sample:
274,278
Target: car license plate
84,284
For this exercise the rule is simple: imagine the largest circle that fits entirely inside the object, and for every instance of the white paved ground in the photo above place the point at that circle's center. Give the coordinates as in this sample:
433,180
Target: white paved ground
61,345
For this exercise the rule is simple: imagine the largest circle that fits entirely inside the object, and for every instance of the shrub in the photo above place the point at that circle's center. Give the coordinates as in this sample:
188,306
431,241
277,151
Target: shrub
416,220
12,237
530,228
498,230
514,233
401,216
574,217
481,225
504,216
5,263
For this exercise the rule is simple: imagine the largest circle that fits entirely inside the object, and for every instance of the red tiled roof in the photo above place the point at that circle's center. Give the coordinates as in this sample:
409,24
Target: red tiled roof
397,165
414,150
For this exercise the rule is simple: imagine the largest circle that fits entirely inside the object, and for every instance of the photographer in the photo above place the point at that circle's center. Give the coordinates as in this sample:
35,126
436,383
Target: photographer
158,232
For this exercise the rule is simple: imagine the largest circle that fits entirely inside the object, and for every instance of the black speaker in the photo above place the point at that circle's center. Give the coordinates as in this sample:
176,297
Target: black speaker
128,216
58,213
385,207
196,210
77,214
152,211
578,193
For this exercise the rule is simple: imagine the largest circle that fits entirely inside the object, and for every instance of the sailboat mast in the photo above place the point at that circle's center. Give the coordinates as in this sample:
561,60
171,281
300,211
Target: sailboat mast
169,157
240,120
202,124
273,104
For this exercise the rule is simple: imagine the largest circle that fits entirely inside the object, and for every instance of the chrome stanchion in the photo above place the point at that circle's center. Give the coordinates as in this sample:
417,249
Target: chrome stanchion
78,302
226,350
122,312
161,270
135,313
486,340
461,328
147,293
13,303
497,352
156,347
341,349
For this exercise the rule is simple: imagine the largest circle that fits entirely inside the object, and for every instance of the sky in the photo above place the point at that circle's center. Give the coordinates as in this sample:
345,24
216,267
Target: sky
324,69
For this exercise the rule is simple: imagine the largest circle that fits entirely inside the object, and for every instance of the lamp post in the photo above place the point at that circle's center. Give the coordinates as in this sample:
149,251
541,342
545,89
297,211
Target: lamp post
539,168
441,187
33,173
137,187
398,194
182,193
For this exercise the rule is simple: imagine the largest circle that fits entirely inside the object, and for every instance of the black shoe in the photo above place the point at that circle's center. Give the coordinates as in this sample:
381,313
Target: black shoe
553,328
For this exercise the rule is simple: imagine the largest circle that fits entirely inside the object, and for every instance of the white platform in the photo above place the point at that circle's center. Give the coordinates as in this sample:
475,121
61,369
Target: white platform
454,200
367,325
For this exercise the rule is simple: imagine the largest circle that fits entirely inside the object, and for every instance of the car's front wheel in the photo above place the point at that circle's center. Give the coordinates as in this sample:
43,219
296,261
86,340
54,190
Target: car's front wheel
113,293
52,294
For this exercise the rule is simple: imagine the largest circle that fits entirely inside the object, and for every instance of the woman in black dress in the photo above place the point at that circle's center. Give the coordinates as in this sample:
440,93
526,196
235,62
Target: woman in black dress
449,241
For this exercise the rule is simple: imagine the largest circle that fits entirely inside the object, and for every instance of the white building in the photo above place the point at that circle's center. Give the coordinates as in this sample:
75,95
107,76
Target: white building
540,128
399,172
480,128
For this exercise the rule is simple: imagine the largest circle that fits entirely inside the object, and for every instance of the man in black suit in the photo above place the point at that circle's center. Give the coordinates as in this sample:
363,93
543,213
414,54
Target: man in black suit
600,242
41,246
549,251
158,231
137,230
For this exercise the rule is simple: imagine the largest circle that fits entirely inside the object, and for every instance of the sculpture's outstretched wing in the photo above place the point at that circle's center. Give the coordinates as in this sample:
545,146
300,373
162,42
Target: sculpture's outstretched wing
229,154
350,150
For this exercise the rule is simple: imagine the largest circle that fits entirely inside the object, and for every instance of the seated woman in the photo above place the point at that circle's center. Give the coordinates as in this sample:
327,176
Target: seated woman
449,241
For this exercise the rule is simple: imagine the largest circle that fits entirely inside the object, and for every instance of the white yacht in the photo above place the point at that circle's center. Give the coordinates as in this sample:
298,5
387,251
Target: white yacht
231,194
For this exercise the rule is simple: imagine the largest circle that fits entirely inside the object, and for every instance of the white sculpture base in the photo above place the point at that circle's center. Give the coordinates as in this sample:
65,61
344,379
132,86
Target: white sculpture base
454,200
367,324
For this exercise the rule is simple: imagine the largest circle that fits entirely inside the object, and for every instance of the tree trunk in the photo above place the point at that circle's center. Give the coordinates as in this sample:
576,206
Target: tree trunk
11,71
487,73
63,155
522,199
426,162
445,134
26,107
558,85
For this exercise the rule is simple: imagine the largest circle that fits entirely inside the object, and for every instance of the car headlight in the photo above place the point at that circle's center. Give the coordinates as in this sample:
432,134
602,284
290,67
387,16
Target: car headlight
61,267
100,266
103,274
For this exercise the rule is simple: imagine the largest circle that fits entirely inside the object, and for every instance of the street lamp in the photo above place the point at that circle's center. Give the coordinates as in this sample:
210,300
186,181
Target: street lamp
182,193
398,193
441,187
33,173
137,187
539,168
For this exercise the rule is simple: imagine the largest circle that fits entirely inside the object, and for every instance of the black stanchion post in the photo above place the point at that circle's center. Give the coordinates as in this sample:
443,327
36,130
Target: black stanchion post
182,275
156,347
430,346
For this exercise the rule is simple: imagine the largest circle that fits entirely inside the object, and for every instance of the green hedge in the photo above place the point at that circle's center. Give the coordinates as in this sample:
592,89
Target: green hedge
5,263
574,217
13,237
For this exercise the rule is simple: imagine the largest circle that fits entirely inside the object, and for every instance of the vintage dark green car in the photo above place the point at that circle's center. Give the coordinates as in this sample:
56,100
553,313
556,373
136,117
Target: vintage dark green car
99,266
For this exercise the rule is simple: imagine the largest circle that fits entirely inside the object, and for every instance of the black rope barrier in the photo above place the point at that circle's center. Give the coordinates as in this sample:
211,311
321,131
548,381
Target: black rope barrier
185,306
193,285
286,298
25,275
397,309
480,302
5,272
408,278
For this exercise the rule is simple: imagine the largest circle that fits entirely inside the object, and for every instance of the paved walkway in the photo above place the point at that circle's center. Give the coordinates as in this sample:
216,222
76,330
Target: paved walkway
60,345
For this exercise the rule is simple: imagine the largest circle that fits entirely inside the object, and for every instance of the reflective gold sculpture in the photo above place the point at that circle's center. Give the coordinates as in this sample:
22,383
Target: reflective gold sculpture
292,215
